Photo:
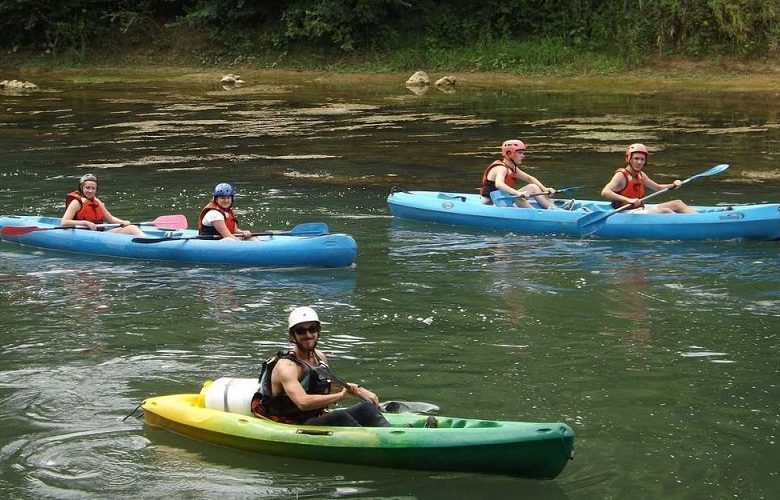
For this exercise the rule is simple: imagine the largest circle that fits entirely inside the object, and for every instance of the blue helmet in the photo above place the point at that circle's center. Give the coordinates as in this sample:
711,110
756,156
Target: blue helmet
224,189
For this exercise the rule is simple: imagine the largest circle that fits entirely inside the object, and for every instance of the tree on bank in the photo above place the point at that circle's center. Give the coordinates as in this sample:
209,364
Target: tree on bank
631,30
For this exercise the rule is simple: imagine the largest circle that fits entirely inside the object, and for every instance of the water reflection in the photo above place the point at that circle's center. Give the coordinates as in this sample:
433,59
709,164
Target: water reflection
630,298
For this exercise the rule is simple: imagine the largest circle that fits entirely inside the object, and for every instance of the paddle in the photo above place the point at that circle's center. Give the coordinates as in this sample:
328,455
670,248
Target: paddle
305,229
504,199
342,383
409,407
394,406
591,222
163,222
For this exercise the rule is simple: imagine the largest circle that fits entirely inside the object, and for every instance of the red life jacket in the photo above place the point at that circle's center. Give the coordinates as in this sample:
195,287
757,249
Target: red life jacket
490,186
230,220
91,210
635,187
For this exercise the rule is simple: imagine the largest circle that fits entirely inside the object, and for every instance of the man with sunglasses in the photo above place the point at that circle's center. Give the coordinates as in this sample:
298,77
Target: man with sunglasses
302,386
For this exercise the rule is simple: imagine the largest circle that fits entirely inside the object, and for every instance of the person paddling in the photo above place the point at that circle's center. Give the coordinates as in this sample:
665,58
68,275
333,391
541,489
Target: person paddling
217,218
84,209
300,386
628,185
503,174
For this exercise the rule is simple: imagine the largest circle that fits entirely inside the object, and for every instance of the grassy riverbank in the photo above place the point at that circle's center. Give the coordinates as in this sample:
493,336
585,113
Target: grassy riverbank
678,80
188,57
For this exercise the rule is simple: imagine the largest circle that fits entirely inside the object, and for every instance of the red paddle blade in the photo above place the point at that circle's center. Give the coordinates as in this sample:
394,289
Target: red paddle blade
18,230
178,221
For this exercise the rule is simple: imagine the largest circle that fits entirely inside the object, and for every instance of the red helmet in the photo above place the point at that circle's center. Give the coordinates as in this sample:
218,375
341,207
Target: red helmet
510,147
636,148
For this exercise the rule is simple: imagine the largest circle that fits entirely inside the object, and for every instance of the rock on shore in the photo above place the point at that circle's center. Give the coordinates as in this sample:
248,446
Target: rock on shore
17,85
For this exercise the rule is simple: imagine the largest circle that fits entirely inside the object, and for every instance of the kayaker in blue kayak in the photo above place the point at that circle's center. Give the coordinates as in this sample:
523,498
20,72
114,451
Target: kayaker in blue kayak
217,218
296,386
503,174
628,185
84,209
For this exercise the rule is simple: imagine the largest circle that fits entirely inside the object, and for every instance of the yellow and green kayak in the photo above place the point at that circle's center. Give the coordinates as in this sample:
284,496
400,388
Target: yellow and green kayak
532,450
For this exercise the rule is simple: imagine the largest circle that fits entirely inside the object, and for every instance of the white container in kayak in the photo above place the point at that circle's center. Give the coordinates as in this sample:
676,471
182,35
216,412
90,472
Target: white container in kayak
230,394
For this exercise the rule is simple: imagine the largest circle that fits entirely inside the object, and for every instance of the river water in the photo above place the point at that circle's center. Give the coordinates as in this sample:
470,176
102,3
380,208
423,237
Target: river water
663,356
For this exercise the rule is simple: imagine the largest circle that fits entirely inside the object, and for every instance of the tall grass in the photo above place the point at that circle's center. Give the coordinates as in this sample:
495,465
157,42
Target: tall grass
545,56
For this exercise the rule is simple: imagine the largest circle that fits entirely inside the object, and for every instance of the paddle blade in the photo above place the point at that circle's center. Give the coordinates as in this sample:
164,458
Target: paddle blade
590,223
19,230
713,171
177,221
502,199
409,407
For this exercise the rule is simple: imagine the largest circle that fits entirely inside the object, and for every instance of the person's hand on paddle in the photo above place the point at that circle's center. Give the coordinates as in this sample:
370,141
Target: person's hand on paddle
246,234
350,389
551,191
123,223
634,202
362,393
343,393
676,184
87,224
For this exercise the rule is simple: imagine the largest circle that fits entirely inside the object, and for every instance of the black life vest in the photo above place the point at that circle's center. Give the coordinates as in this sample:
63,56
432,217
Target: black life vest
315,380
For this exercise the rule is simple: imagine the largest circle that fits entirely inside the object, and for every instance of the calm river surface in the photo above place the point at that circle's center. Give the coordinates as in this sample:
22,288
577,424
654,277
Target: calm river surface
663,356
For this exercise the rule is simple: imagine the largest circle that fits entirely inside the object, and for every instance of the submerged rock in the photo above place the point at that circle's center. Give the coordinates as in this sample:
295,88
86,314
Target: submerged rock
446,81
418,89
446,84
418,79
231,80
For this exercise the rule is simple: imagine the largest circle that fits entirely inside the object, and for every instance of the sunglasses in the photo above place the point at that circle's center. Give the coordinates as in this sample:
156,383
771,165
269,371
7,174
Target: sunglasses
303,330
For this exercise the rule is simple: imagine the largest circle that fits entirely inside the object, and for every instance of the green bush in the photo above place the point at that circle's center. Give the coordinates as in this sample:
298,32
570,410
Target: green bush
529,32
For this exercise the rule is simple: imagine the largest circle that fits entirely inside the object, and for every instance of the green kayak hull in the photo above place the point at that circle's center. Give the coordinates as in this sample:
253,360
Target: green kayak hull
522,449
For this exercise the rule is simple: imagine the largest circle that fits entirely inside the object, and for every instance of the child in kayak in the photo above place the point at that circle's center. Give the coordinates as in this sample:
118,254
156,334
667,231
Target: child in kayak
502,175
217,218
297,386
628,185
84,209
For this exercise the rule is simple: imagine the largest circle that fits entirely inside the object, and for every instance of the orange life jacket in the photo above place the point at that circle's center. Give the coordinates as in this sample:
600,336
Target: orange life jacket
490,186
230,220
635,187
91,210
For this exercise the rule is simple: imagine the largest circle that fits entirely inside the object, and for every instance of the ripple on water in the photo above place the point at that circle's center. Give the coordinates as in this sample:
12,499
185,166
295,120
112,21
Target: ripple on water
711,356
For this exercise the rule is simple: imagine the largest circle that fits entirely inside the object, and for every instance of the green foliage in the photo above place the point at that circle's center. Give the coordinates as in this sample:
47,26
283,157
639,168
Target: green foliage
506,33
342,24
505,55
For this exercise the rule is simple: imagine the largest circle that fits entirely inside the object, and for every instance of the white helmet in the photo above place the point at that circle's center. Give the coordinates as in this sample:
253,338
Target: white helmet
302,315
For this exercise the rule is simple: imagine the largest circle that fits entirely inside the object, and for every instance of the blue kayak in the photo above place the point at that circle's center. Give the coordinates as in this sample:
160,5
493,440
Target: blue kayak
749,222
272,250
